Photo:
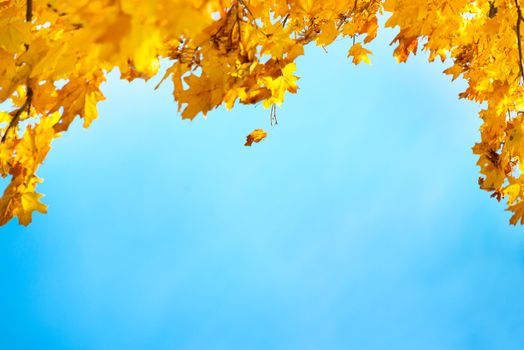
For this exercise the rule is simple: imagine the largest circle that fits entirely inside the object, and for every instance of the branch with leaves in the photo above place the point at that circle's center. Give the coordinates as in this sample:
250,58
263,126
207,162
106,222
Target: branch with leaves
55,56
26,106
519,38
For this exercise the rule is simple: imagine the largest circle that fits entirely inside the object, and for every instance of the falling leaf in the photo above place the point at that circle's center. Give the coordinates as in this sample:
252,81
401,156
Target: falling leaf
256,135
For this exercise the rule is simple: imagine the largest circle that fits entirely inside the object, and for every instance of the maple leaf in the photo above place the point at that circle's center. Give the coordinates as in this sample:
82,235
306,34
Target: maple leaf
15,32
279,85
359,54
256,135
20,199
30,202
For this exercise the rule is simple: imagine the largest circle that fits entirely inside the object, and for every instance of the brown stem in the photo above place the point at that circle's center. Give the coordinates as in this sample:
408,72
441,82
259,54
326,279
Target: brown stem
16,117
246,7
273,115
285,20
519,44
29,10
29,95
348,14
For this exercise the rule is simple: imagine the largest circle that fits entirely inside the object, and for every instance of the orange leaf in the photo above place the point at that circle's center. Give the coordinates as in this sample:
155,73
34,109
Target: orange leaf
256,135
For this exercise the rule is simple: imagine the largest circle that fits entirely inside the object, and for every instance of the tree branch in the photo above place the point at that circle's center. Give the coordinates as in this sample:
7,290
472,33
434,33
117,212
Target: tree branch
519,44
29,10
29,94
16,117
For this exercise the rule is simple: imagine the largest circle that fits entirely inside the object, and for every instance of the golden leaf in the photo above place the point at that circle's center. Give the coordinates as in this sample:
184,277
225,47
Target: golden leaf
256,135
359,54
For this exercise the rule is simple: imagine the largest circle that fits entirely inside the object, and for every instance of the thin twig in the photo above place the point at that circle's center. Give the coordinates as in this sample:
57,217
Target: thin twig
29,10
29,95
285,20
247,8
16,117
519,45
273,115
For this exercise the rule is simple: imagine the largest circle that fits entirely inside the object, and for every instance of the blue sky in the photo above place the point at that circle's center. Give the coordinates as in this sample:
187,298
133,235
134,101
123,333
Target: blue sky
357,224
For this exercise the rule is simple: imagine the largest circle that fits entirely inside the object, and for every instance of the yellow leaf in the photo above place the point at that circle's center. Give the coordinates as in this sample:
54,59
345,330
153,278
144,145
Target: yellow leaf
5,117
512,191
30,202
256,135
278,86
359,54
14,34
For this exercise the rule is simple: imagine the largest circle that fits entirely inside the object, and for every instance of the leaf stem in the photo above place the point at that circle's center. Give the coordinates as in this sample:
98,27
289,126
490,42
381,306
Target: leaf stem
16,117
29,94
29,10
519,44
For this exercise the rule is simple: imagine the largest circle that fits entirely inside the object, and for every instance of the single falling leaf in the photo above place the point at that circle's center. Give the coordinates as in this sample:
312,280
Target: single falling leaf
256,135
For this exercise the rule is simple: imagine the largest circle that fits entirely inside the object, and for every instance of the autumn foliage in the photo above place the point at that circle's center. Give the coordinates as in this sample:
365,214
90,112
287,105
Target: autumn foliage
55,54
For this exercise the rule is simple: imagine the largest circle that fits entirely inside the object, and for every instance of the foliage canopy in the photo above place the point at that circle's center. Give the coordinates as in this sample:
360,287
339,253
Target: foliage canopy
55,54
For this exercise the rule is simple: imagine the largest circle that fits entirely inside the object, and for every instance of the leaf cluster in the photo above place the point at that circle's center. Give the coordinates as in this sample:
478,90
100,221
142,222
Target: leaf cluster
54,56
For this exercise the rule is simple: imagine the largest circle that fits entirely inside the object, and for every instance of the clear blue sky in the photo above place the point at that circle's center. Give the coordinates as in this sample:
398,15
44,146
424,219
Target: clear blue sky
357,224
